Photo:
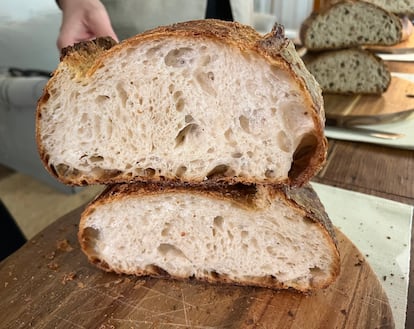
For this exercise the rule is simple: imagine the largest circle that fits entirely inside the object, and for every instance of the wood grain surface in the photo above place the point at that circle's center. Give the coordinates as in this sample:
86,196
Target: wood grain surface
404,47
396,98
49,283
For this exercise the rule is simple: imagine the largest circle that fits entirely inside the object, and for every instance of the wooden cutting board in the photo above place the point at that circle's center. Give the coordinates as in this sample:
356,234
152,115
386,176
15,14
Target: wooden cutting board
49,284
404,47
395,99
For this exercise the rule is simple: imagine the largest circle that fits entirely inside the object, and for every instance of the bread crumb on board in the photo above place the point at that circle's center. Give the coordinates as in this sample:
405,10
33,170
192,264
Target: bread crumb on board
68,277
64,245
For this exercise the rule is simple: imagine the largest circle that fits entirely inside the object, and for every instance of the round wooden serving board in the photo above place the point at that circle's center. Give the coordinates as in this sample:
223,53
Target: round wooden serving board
49,284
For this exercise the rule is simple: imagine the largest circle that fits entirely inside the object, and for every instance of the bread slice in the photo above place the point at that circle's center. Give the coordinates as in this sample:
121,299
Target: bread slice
349,71
193,101
399,7
245,235
349,24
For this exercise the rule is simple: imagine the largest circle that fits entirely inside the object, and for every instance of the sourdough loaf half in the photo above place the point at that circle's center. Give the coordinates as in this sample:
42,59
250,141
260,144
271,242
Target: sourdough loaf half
349,24
238,234
349,71
399,7
193,101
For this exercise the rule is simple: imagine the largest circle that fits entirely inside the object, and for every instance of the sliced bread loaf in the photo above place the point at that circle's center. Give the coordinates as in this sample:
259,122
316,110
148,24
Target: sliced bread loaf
399,7
193,101
247,235
349,24
349,71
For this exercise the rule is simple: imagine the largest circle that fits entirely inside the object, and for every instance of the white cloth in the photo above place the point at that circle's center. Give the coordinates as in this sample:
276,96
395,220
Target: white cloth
130,17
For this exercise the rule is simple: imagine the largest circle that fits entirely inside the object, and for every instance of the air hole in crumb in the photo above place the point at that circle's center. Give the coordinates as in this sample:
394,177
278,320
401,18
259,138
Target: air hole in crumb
254,243
151,52
228,134
271,250
270,173
236,155
122,94
205,81
177,95
184,133
218,222
230,235
204,60
179,105
244,123
96,158
166,230
283,141
188,118
149,172
101,99
317,273
178,57
170,251
218,171
181,171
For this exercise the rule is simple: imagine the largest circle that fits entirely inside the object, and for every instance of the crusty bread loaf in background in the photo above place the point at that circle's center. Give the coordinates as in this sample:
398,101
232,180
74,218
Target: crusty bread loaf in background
348,24
399,7
349,71
247,235
193,101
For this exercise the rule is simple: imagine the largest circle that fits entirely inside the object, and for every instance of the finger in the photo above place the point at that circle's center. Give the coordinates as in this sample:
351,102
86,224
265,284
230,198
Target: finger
100,26
71,32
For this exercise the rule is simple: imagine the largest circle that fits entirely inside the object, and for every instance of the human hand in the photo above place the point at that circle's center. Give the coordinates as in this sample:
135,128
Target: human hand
83,20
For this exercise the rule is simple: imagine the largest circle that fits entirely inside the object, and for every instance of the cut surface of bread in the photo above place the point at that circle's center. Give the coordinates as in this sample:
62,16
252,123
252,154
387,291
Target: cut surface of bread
246,235
349,24
400,7
349,71
192,101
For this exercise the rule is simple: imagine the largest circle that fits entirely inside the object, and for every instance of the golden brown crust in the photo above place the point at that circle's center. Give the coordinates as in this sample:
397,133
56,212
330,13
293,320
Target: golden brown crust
84,59
248,197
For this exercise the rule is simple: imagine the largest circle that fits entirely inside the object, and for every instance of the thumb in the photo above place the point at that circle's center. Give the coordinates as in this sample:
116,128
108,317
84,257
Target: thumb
65,38
100,26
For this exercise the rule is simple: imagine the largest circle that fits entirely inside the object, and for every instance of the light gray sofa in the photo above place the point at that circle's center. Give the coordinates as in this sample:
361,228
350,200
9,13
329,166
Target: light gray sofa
28,42
18,150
